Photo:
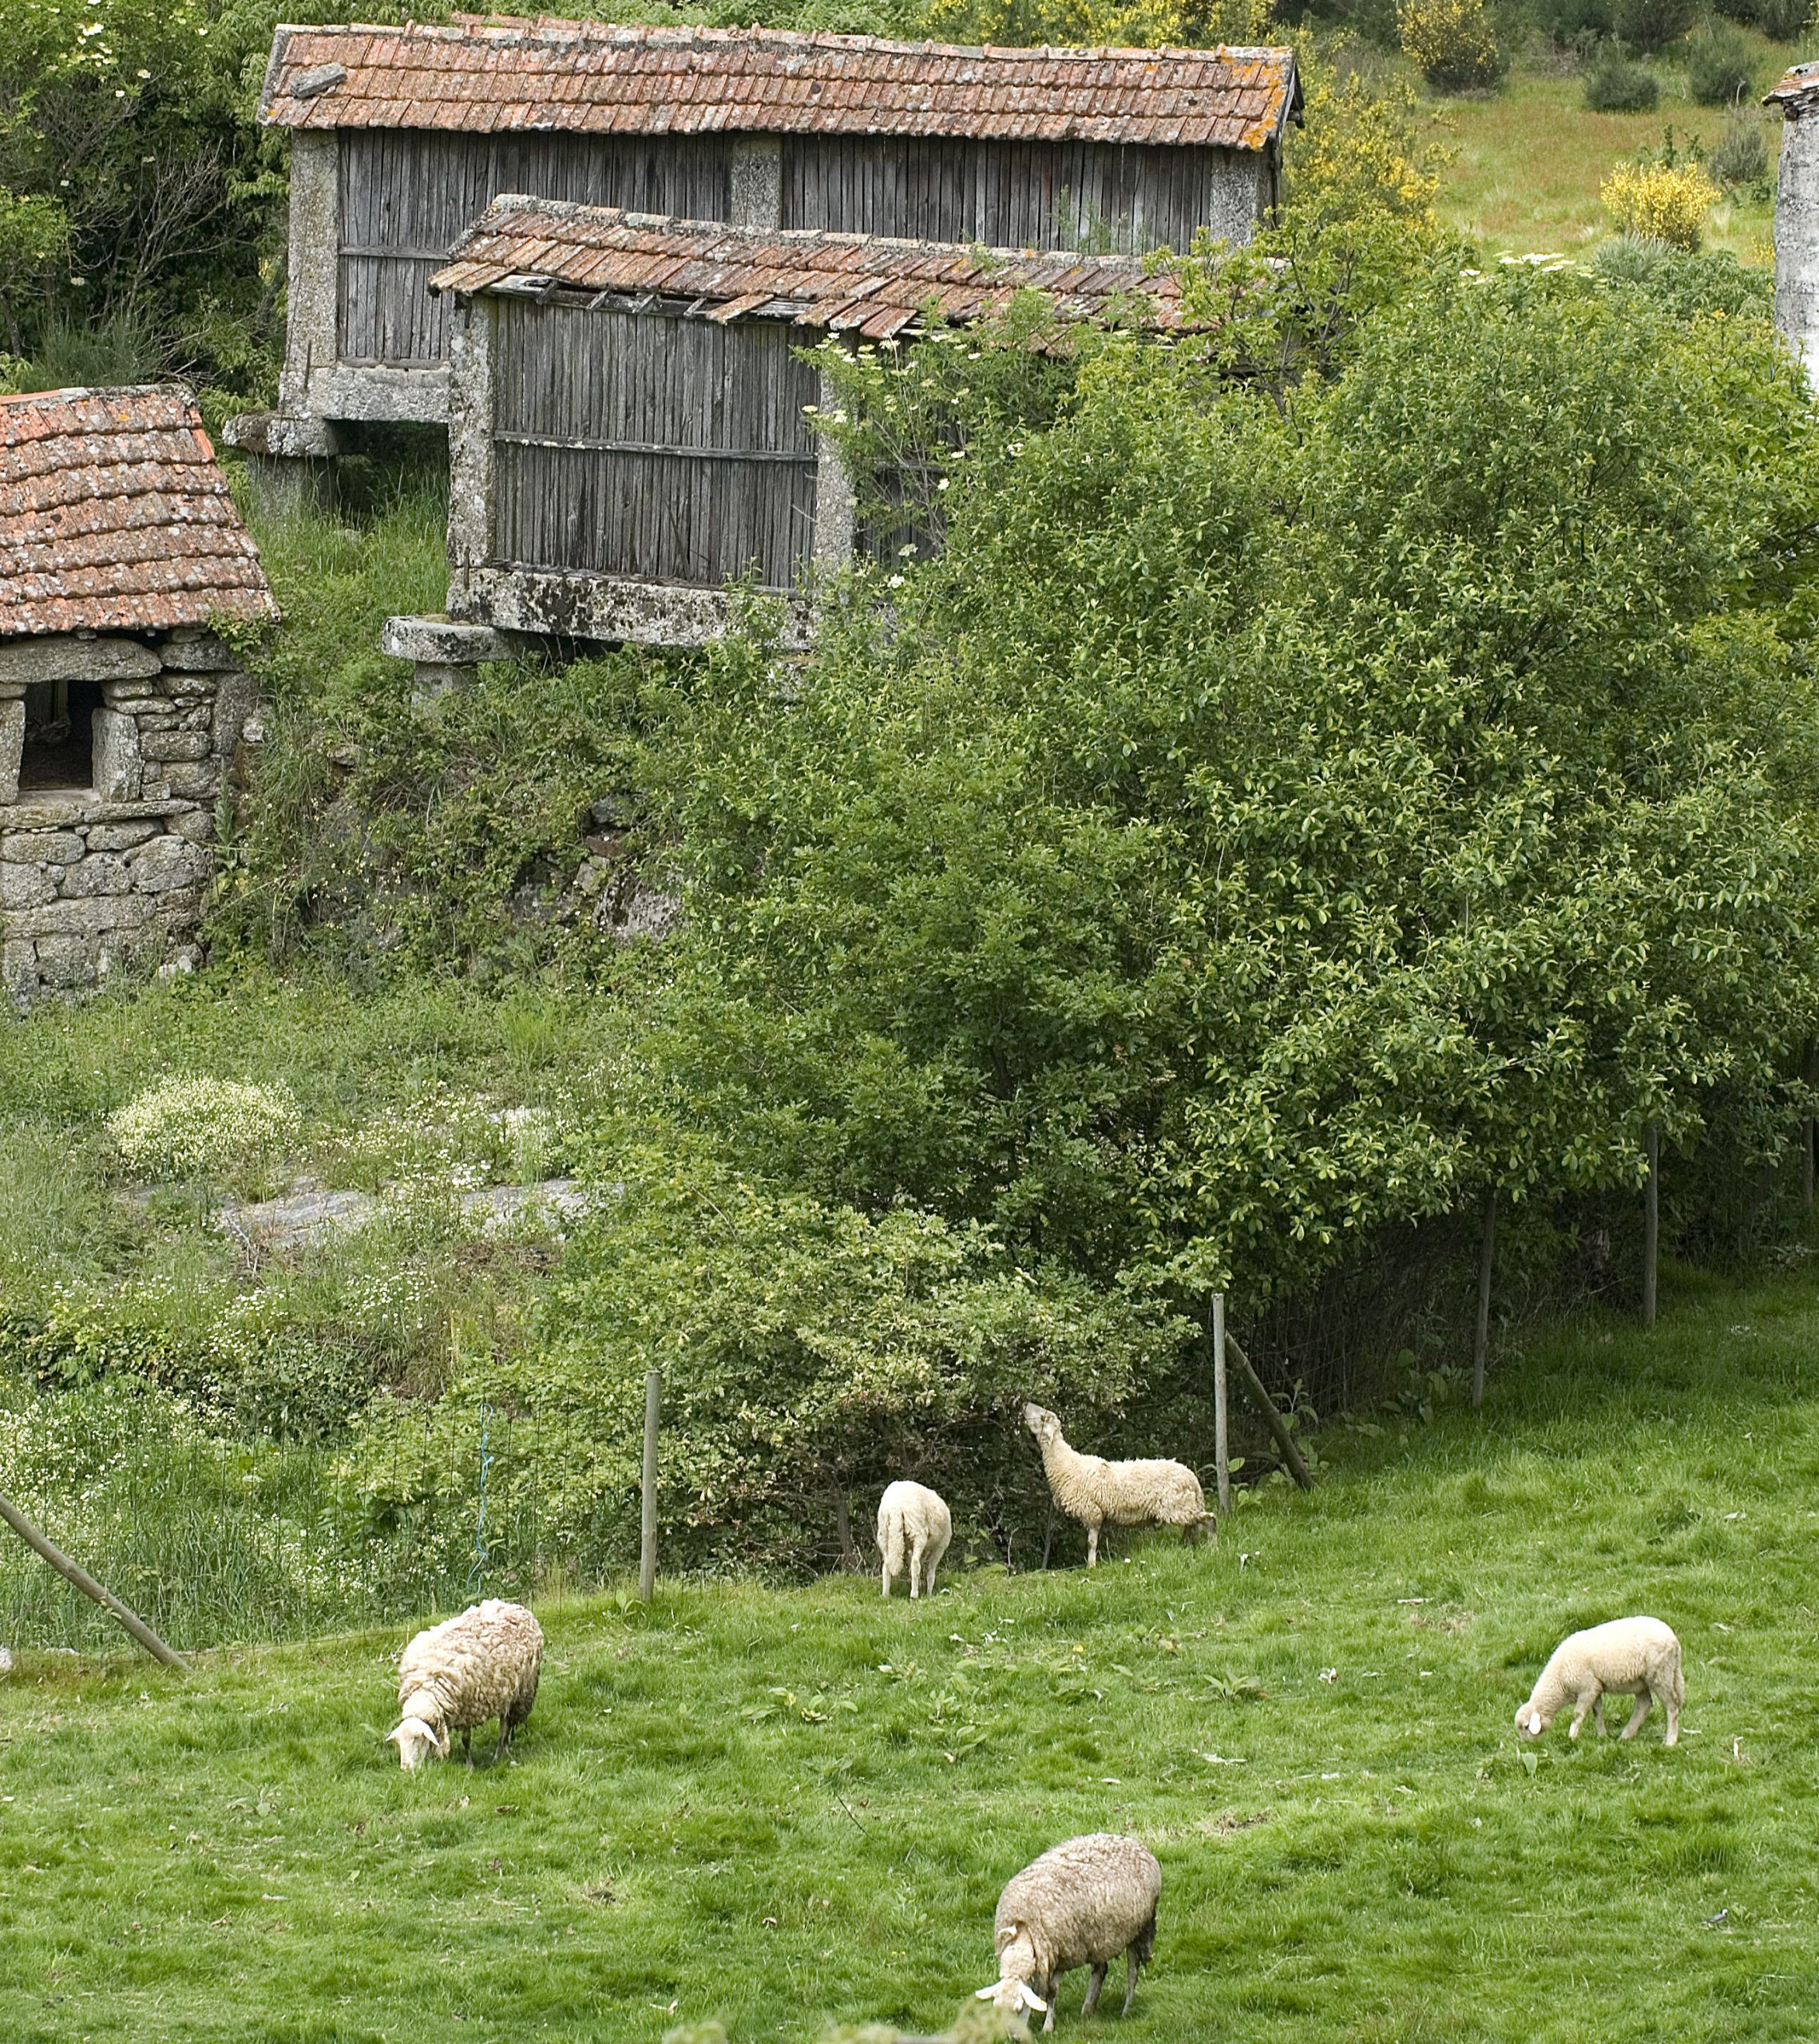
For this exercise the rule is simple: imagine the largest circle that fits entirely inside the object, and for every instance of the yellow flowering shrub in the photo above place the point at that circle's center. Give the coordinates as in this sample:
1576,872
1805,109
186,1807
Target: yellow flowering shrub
1450,41
1661,202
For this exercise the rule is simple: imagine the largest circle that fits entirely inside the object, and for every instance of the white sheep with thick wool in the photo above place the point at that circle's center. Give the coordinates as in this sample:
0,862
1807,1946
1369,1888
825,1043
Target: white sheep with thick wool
1097,1493
482,1665
1627,1657
1082,1903
914,1527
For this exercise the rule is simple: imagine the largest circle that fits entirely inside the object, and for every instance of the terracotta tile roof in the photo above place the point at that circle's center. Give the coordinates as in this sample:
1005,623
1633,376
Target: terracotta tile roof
866,284
497,73
114,516
1797,84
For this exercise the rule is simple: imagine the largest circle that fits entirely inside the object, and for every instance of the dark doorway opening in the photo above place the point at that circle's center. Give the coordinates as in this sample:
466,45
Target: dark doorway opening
60,737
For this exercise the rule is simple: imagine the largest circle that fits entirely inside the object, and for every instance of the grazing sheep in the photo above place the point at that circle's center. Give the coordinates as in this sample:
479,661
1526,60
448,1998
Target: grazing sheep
1080,1904
914,1526
483,1664
1630,1657
1100,1493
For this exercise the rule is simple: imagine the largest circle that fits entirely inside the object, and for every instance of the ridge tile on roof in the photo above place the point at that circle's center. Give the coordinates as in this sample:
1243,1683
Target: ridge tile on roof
498,71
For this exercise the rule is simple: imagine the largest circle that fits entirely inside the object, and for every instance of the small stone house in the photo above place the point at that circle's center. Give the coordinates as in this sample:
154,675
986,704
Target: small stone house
628,427
401,137
122,710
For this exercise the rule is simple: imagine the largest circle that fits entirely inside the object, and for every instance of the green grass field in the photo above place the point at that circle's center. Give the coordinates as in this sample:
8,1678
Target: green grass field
1527,160
781,1807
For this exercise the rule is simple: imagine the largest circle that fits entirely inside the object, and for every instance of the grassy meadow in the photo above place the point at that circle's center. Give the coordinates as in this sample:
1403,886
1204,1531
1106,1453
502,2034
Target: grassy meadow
778,1808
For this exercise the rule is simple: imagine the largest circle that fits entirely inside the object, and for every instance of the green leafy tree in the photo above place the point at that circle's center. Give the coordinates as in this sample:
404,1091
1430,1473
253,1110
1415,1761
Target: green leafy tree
1279,816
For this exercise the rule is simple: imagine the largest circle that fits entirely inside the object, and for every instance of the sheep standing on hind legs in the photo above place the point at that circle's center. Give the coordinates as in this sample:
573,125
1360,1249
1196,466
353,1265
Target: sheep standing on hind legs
483,1664
1080,1904
915,1527
1628,1657
1098,1493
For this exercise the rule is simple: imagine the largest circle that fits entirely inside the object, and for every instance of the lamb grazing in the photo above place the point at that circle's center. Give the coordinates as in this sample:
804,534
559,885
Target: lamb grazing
1630,1657
914,1526
483,1664
1080,1904
1100,1493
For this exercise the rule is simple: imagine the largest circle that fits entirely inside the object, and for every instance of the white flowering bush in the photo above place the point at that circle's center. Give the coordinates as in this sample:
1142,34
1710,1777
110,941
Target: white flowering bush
198,1126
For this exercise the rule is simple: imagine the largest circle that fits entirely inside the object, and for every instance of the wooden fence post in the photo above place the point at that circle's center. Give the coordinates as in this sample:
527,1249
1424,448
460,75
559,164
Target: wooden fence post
1486,1257
87,1584
1652,1220
648,1540
1222,1445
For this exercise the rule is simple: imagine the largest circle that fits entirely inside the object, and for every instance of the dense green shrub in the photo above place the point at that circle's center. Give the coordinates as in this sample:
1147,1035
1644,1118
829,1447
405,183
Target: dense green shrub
809,1350
1615,84
1740,157
1686,282
1719,66
1652,24
1781,21
1326,815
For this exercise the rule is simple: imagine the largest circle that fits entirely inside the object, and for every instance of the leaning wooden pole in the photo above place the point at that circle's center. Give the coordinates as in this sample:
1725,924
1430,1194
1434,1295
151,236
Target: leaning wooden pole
1651,1220
648,1529
1809,1066
73,1572
1481,1339
1221,1437
1266,1405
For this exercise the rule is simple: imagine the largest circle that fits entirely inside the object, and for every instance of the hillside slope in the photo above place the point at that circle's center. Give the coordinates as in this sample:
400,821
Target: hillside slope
779,1808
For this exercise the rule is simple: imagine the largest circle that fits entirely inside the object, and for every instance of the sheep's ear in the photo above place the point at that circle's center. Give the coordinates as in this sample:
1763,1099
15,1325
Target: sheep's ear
1031,1998
395,1738
985,1994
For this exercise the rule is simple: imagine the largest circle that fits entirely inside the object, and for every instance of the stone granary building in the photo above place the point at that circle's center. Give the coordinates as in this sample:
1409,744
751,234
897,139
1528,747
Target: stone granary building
401,137
628,419
122,710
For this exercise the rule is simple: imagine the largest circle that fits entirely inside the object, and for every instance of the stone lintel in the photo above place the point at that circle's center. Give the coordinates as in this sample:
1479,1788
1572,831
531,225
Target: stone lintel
58,809
64,656
442,641
283,436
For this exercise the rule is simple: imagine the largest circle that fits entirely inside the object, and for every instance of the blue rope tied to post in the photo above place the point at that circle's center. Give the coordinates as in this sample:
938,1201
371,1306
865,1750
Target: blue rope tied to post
479,1529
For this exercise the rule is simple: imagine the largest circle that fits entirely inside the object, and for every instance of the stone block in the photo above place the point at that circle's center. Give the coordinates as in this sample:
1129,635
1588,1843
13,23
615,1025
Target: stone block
25,886
65,962
42,847
444,642
195,825
101,872
282,436
165,862
64,656
121,836
166,746
195,651
119,769
18,970
195,783
93,918
12,747
236,699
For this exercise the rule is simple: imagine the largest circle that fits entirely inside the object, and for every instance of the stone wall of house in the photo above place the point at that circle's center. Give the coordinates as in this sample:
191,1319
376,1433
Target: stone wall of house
112,877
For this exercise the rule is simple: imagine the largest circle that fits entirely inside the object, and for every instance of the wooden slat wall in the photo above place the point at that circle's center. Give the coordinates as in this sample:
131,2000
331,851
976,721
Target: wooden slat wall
1102,197
650,445
406,195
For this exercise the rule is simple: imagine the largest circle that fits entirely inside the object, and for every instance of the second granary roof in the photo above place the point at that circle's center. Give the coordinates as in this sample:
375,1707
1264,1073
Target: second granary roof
499,75
867,284
114,516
